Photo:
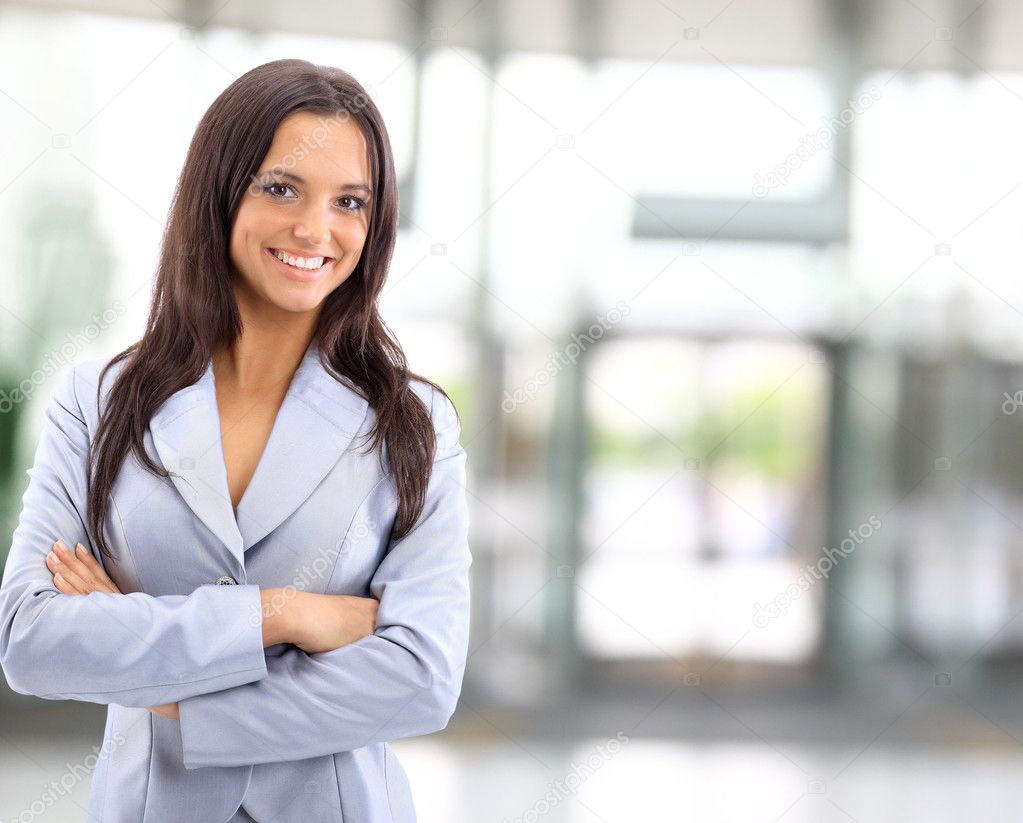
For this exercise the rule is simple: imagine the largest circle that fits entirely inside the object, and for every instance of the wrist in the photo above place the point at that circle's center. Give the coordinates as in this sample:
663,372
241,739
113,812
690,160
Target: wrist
276,607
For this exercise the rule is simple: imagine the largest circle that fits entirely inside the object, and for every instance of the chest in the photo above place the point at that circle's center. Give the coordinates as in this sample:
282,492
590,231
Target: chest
331,541
245,426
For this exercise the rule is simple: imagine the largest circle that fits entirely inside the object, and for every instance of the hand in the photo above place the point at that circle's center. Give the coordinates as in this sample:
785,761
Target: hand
324,622
77,574
82,574
167,710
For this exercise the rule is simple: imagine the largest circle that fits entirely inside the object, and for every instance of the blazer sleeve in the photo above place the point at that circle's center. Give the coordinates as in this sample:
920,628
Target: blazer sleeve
402,681
131,649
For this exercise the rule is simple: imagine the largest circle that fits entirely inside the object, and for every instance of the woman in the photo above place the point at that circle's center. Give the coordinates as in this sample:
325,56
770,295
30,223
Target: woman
270,575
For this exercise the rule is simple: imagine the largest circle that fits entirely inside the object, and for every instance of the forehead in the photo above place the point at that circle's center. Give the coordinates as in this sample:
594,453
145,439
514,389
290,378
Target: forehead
326,149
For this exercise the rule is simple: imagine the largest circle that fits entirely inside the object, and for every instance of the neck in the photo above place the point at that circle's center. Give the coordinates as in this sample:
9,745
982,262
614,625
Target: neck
261,359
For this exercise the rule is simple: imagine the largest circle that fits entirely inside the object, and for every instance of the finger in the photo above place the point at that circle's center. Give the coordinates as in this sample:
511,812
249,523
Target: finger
91,562
59,580
63,586
66,582
96,570
69,568
80,573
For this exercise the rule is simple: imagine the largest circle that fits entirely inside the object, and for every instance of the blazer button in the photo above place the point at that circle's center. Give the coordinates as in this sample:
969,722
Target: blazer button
226,580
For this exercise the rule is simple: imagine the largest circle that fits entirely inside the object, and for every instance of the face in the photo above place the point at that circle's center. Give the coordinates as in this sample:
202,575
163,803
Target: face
309,199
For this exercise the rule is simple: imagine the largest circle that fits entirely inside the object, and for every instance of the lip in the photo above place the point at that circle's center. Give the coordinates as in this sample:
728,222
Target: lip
295,274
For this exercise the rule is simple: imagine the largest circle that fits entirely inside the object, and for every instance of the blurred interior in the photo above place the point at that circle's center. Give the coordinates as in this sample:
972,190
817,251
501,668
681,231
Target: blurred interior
721,290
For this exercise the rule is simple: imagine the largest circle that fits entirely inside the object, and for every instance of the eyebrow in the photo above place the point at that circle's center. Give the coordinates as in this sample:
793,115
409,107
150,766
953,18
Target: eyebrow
287,175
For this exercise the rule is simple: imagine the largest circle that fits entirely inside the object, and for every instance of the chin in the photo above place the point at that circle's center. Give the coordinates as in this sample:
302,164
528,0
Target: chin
297,304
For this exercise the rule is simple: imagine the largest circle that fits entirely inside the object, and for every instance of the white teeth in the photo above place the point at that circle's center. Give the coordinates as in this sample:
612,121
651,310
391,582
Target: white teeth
308,264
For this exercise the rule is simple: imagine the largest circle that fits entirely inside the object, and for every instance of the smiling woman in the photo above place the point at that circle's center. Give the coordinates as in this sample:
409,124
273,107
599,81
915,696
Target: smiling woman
272,579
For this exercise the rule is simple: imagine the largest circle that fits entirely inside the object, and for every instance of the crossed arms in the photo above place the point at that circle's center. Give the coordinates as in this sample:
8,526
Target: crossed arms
205,651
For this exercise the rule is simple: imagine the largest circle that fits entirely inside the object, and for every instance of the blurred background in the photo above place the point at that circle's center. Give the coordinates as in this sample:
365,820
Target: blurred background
728,295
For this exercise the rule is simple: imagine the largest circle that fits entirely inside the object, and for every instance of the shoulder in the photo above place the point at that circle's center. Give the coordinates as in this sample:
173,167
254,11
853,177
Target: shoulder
442,411
77,384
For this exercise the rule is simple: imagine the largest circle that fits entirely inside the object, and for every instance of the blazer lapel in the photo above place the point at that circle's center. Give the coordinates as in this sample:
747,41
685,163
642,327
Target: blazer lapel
314,426
186,434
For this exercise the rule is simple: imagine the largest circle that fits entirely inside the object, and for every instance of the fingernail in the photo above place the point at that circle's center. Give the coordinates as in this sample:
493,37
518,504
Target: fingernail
54,558
58,577
81,550
61,544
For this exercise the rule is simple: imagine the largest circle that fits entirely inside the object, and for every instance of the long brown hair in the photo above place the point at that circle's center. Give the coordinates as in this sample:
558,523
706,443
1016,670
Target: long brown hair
193,310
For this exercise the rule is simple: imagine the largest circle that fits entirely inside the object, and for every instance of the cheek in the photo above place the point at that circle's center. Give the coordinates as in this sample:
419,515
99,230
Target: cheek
241,235
253,223
252,228
237,249
353,238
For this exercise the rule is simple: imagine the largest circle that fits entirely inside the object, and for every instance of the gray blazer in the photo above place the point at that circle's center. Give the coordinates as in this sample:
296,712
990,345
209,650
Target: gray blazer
266,735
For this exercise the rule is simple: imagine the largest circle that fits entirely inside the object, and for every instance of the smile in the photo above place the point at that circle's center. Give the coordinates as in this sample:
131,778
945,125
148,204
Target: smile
305,269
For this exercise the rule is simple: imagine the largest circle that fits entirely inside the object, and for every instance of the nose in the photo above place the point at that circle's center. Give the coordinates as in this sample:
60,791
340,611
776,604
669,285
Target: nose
313,226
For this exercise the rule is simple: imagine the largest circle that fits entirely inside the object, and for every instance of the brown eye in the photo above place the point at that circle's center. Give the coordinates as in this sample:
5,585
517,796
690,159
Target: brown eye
269,189
358,204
